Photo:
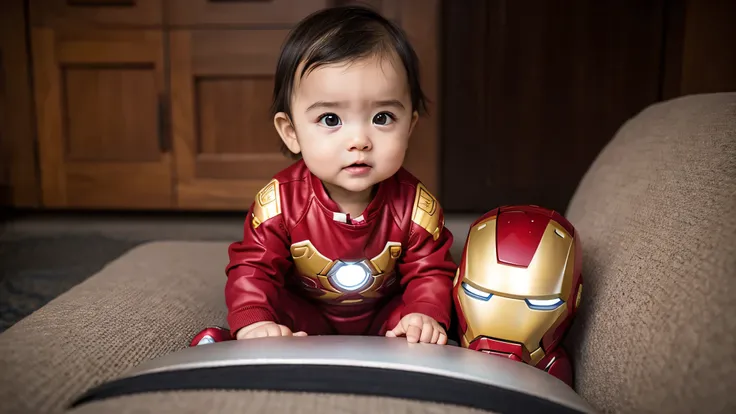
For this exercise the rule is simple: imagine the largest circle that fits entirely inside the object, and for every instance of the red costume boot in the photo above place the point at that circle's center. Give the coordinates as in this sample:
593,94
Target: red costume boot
211,335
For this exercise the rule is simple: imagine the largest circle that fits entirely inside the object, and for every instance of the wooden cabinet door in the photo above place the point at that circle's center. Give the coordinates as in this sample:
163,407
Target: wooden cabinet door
225,143
99,118
240,12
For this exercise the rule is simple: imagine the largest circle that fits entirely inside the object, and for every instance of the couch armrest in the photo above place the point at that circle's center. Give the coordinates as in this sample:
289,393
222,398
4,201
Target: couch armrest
657,217
149,302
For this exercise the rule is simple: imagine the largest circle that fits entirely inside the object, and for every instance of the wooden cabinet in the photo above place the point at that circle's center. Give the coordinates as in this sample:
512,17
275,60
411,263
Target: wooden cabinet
99,99
165,104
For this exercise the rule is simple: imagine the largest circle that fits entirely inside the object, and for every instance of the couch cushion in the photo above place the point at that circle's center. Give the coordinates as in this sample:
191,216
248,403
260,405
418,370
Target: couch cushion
147,303
657,329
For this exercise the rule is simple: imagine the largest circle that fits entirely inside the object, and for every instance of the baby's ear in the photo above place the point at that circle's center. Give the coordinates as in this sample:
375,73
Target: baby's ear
414,119
287,132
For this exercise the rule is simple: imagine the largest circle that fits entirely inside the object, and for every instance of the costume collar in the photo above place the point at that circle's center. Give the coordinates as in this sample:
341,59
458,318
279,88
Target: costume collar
375,205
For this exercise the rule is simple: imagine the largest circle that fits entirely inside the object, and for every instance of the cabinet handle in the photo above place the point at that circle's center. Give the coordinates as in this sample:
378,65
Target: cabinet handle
163,141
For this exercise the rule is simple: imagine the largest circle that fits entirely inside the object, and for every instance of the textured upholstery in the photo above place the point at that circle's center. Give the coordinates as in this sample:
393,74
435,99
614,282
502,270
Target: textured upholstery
657,216
147,303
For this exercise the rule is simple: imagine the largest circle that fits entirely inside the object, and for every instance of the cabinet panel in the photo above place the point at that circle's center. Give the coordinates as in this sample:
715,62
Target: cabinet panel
70,13
233,116
225,144
111,113
100,118
255,12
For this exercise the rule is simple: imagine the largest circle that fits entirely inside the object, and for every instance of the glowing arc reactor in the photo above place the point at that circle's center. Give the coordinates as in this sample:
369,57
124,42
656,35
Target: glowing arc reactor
350,277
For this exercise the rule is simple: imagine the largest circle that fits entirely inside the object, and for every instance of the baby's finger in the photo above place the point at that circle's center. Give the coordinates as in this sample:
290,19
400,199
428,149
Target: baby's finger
390,334
435,336
400,329
443,339
284,331
300,333
427,330
273,330
413,332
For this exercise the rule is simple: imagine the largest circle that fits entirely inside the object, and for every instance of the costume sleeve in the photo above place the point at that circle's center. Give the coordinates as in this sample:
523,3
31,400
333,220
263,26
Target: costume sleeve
426,266
258,263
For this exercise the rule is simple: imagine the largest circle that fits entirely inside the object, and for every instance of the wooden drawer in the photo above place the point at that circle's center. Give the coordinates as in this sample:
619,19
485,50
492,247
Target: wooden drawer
75,13
240,12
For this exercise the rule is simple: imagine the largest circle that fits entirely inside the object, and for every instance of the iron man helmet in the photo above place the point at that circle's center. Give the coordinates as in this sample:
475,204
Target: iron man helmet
519,283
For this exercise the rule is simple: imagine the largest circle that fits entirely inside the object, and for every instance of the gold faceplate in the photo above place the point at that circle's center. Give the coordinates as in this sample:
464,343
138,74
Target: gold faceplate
510,320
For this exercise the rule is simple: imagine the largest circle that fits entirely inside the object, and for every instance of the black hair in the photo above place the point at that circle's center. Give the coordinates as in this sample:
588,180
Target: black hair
342,34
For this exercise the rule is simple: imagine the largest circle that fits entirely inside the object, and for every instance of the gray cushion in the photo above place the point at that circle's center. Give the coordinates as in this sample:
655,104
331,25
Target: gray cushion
657,216
147,303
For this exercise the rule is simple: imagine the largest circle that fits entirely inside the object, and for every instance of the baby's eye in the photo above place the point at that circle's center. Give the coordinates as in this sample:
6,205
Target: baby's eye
383,118
329,120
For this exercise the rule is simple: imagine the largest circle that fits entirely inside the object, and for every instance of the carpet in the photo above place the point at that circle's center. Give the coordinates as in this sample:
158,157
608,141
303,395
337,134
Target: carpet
36,269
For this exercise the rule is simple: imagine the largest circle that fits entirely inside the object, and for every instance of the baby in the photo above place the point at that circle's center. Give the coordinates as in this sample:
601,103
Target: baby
344,241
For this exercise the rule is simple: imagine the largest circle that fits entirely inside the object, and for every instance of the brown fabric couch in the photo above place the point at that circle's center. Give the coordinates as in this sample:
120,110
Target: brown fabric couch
657,331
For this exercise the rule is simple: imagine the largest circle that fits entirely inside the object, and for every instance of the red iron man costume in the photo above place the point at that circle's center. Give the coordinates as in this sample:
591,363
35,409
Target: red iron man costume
519,286
304,264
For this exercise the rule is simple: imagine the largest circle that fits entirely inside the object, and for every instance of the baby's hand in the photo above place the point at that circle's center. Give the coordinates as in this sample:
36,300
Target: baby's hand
419,328
264,329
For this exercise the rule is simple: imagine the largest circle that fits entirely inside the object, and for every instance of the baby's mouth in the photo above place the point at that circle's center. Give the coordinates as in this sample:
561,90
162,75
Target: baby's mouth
358,169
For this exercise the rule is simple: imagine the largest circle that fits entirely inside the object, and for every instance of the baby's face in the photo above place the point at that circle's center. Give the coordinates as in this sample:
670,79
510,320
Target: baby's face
353,121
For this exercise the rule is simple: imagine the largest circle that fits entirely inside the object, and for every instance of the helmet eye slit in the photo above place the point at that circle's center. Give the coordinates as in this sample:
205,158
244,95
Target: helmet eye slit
475,292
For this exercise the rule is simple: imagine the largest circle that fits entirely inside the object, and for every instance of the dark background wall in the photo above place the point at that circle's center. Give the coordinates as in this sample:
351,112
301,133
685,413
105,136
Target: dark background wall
533,90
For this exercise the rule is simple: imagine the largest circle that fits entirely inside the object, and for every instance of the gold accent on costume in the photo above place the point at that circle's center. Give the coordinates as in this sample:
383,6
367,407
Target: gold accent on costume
508,319
579,296
426,212
310,263
267,203
506,315
382,265
386,260
536,356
